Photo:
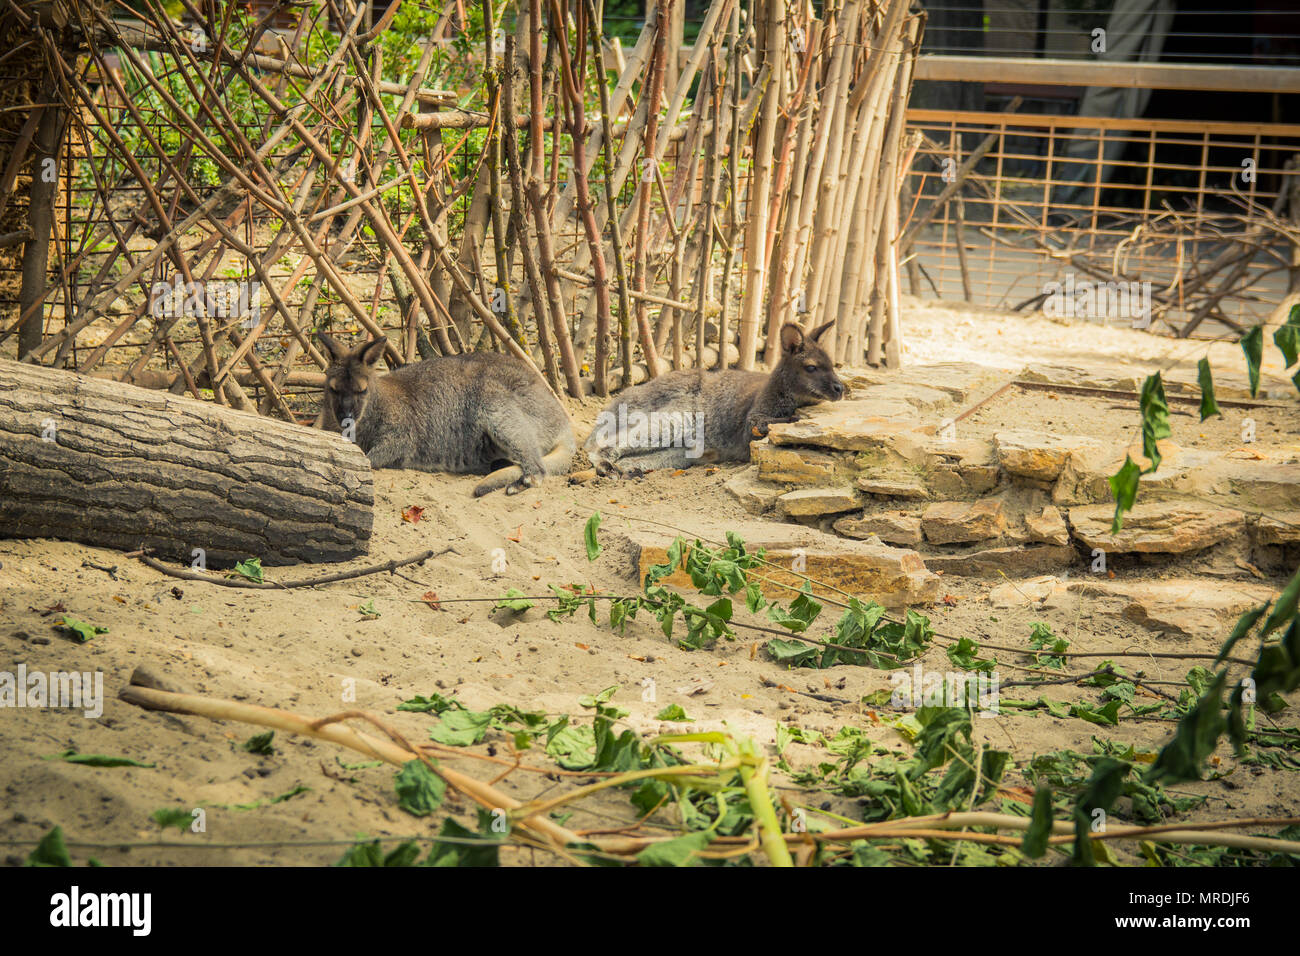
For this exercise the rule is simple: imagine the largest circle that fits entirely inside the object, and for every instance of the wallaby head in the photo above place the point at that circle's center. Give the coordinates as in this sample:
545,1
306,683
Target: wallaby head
805,372
350,379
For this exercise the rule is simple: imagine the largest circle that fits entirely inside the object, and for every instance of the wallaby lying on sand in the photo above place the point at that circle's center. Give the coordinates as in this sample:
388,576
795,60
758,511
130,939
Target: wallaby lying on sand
691,416
465,414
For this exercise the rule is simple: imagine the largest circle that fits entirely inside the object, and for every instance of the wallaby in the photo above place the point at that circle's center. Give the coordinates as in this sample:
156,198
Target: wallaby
692,416
467,414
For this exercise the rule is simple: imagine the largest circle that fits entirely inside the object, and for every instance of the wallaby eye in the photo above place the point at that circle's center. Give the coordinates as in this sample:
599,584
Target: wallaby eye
810,368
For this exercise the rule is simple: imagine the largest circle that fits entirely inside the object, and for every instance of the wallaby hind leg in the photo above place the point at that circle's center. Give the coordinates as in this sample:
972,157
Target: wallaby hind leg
529,473
634,464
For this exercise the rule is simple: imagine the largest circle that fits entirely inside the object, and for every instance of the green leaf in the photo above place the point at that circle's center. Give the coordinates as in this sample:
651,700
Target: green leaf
962,654
250,569
368,610
80,629
672,712
1034,844
420,791
1284,609
679,851
792,653
1240,630
1100,793
803,611
423,705
1124,489
1252,343
96,760
1107,716
261,744
177,817
514,600
51,851
461,728
1194,739
604,697
589,536
1155,418
1287,339
1206,380
371,854
482,852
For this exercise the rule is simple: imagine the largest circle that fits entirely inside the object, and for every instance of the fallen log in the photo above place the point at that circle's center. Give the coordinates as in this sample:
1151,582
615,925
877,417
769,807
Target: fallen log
110,464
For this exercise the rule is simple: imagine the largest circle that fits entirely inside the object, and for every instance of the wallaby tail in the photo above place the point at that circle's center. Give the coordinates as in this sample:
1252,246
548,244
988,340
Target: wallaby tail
554,462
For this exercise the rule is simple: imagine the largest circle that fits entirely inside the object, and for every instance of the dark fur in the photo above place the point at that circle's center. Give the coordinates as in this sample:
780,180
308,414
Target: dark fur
737,406
466,414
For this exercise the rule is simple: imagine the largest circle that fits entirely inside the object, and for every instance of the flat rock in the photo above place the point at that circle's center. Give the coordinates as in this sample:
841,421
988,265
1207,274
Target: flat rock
892,527
1036,455
755,496
811,502
793,466
895,577
1157,527
991,562
849,425
1047,527
1085,477
958,379
1265,482
1115,378
1282,528
909,488
959,522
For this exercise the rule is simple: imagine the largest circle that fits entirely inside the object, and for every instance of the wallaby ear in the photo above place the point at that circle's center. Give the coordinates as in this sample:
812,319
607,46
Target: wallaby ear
337,352
372,351
792,338
818,332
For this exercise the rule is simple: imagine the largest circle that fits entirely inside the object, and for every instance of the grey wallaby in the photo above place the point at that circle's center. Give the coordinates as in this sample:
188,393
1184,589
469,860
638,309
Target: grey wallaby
691,416
468,414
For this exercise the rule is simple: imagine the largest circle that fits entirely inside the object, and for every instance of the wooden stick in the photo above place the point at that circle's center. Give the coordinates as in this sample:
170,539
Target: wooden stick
239,582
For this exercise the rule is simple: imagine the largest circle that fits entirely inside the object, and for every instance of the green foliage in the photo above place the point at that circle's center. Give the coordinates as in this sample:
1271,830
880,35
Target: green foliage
420,791
514,600
1205,379
250,569
1041,638
79,629
97,760
1276,671
177,817
457,846
261,744
589,537
1252,344
51,851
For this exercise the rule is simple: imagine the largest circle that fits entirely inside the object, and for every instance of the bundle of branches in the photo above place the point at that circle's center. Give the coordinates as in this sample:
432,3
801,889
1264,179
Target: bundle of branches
303,160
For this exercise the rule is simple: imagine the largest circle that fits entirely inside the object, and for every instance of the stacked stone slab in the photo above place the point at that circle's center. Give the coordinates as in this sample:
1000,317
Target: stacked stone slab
891,464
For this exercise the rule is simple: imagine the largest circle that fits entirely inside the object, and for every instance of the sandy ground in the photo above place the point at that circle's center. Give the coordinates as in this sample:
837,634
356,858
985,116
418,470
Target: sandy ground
299,650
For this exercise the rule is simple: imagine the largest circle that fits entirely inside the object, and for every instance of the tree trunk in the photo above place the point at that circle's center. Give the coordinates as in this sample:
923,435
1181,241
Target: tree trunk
124,467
